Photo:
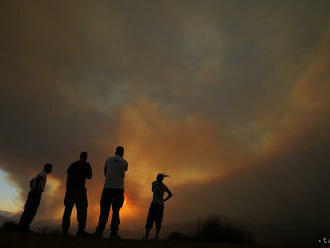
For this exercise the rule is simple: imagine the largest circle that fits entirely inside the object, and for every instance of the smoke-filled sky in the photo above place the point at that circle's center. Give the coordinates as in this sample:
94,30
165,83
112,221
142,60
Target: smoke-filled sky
231,98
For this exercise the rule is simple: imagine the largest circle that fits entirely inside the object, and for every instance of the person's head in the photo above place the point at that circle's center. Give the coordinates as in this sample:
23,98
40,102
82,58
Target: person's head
120,151
48,168
160,177
83,156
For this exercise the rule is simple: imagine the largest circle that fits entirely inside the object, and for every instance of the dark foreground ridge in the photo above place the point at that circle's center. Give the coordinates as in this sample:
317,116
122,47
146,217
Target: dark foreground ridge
36,240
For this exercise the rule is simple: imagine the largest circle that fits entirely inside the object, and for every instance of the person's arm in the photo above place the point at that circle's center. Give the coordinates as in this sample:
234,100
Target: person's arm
68,171
169,194
89,171
105,168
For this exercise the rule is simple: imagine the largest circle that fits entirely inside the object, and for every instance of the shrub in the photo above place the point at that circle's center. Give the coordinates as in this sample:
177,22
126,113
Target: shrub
212,229
9,226
178,236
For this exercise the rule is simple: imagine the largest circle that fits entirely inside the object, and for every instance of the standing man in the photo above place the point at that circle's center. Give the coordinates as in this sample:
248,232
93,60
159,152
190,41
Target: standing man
113,192
37,185
76,194
156,209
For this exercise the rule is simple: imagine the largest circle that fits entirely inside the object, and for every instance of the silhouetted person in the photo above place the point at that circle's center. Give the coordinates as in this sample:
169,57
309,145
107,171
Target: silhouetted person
76,194
156,209
37,185
113,192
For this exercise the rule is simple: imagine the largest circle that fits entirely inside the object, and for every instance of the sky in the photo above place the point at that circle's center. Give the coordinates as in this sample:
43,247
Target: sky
230,98
9,194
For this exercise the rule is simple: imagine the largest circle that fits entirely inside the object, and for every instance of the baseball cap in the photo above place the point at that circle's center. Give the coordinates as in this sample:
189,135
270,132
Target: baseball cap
161,175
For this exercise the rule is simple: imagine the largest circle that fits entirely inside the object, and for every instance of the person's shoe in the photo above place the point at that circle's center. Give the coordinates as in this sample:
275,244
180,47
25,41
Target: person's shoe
25,230
82,234
65,233
98,234
114,236
22,228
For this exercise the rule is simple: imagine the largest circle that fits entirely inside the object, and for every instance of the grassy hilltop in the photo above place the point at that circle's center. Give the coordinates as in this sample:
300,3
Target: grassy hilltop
34,240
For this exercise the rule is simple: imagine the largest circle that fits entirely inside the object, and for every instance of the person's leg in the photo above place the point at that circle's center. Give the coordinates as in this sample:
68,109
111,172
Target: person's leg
159,219
105,204
81,205
118,201
30,210
23,221
36,198
68,205
150,220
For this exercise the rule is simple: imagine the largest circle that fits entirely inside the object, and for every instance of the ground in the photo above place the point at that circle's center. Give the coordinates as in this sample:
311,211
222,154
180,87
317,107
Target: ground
34,240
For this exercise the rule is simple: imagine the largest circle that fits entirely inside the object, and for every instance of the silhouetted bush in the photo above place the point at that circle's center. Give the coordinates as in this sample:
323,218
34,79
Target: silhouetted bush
214,230
178,236
9,226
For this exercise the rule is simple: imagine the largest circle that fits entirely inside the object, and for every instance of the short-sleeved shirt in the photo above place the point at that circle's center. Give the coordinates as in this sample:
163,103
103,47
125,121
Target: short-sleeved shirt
158,190
38,183
115,168
77,174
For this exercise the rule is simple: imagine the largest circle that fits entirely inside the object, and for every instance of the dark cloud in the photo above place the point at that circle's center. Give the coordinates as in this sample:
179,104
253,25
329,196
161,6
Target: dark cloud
289,178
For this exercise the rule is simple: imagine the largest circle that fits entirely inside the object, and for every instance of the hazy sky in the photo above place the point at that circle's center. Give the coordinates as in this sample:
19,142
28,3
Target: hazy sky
231,98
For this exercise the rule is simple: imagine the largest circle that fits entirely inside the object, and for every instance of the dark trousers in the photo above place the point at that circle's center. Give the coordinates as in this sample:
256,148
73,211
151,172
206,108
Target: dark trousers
114,197
30,209
155,214
78,198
